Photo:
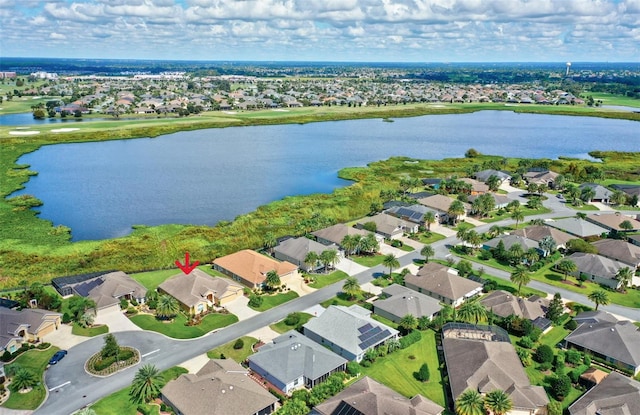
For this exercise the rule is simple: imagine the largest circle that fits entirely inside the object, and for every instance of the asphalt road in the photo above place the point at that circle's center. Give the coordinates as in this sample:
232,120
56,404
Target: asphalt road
71,388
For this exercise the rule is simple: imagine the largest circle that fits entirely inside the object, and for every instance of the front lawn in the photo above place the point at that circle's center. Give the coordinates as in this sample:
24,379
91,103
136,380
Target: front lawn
396,370
177,328
270,301
118,403
322,280
343,299
367,260
89,331
430,237
511,287
283,327
151,279
228,351
36,361
495,216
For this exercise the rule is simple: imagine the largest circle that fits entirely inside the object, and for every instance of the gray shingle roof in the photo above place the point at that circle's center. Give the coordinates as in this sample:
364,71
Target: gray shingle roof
511,240
503,304
596,265
578,227
615,395
336,233
537,232
405,301
292,355
298,248
619,340
192,288
620,250
438,279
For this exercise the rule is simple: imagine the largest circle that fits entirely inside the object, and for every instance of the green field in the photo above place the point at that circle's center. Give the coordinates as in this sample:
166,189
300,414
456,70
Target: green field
270,301
36,361
229,352
322,280
283,327
89,331
177,329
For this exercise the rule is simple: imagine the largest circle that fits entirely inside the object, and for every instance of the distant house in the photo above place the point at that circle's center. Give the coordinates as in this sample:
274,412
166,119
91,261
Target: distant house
250,268
621,251
443,284
577,227
368,397
399,301
615,395
29,324
631,190
105,289
293,361
295,250
348,331
545,177
221,387
500,201
335,234
477,187
538,232
484,175
597,268
511,240
612,221
441,204
601,193
434,183
413,213
504,304
389,226
616,342
483,359
198,291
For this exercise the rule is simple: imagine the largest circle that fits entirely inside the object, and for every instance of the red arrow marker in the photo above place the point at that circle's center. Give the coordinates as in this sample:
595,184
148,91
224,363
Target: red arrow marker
187,268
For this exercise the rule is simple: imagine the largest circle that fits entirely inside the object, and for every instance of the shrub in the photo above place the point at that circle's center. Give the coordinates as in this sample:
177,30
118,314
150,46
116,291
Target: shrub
292,319
543,367
571,325
560,387
489,286
124,303
554,407
353,368
535,334
423,373
239,344
573,357
6,356
574,376
587,360
255,301
544,354
66,318
44,345
537,266
525,342
410,338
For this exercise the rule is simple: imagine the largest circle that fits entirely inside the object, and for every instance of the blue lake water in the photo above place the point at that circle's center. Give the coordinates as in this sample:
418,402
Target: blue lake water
26,118
201,177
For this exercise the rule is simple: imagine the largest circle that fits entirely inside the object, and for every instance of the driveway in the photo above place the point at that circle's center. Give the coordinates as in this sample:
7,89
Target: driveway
388,249
116,321
63,338
241,309
350,267
298,285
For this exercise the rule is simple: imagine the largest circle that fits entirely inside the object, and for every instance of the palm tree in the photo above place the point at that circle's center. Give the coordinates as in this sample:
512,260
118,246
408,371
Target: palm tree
566,266
23,378
456,208
518,216
311,259
146,384
547,244
269,241
581,215
600,297
472,310
329,258
351,243
625,276
470,402
427,251
429,218
474,239
167,307
495,230
531,256
493,182
272,280
521,277
462,234
408,323
351,287
370,244
86,320
390,261
587,194
498,402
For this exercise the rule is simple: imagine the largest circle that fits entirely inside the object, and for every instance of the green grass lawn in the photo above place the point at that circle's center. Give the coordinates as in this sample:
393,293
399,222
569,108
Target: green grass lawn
118,403
581,207
322,280
270,301
36,361
89,331
430,237
282,327
368,260
554,336
227,350
495,217
396,370
342,299
177,329
150,280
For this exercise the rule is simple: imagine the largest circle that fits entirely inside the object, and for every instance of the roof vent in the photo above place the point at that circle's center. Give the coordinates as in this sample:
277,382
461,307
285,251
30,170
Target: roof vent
223,391
612,329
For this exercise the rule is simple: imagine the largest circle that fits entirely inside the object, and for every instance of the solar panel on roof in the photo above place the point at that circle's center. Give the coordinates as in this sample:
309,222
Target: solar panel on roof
376,338
365,328
346,409
370,333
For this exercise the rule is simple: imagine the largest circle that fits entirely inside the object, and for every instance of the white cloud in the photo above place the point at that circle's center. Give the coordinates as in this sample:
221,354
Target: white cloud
57,36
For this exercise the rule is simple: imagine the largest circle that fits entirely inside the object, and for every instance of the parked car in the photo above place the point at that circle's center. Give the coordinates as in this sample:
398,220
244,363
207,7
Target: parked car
60,354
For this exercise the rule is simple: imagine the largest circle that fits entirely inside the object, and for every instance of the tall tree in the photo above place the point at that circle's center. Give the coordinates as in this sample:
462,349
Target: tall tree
311,259
547,245
429,218
456,209
408,323
167,307
391,262
329,258
272,280
474,239
146,384
587,194
520,276
493,182
110,348
625,276
470,402
566,267
351,287
23,378
555,309
498,402
472,311
427,252
599,297
518,216
269,241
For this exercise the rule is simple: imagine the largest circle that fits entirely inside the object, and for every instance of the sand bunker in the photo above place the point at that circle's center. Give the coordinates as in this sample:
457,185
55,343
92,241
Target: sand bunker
437,106
23,132
230,112
281,110
64,130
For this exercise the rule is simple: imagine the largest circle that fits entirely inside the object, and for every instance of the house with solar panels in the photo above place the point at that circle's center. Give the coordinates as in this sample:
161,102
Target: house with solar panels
348,331
413,213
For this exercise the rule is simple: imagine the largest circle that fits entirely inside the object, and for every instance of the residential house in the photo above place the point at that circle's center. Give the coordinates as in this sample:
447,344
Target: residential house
399,301
477,187
368,397
483,359
413,213
510,240
292,361
441,204
538,232
615,395
434,183
221,387
198,291
621,251
577,227
295,250
389,226
616,342
631,190
335,234
612,221
591,377
348,331
106,289
250,268
500,201
443,284
545,177
601,193
634,239
597,268
27,325
484,175
504,304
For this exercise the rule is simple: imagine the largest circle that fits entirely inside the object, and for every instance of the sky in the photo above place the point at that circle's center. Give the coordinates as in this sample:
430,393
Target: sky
324,30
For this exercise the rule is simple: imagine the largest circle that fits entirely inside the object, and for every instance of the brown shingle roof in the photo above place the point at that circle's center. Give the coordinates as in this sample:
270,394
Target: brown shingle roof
192,288
437,279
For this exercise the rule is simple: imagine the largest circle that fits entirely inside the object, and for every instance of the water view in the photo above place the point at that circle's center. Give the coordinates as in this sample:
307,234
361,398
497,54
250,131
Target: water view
102,189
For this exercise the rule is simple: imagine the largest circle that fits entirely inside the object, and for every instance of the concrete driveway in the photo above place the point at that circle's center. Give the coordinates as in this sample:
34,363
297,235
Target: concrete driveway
241,309
116,320
63,338
350,267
